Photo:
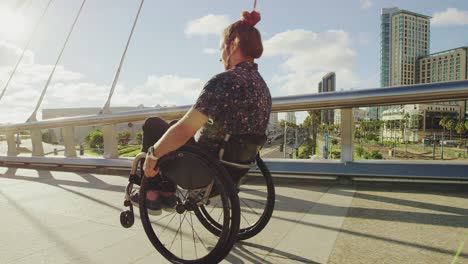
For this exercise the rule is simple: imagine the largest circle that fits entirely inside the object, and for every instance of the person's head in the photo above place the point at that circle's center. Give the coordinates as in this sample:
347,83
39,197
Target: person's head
241,41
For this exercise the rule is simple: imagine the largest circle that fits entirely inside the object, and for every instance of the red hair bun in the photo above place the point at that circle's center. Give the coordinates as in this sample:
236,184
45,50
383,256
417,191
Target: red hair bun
251,18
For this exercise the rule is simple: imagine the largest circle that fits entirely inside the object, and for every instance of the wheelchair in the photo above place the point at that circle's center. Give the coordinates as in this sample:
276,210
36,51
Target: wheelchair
214,209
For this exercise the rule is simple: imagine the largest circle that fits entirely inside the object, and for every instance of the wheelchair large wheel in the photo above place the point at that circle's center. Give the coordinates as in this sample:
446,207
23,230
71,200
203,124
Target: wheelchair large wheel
257,201
178,236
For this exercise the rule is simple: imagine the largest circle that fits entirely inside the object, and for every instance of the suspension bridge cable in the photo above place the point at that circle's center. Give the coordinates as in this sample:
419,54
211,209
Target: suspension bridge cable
24,49
106,108
33,115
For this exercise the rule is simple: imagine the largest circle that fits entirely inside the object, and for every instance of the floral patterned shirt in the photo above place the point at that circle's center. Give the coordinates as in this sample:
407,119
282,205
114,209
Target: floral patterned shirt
237,102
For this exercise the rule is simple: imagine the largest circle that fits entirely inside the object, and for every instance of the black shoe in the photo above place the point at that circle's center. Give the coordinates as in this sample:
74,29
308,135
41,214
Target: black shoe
152,206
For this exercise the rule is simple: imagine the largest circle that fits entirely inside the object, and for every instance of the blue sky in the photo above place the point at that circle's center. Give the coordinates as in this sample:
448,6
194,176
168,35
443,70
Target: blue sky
170,57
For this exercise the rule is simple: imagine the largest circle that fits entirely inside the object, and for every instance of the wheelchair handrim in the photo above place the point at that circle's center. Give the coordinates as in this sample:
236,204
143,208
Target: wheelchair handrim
224,243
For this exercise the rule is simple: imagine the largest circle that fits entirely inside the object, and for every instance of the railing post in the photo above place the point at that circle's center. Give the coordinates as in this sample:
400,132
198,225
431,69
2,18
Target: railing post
69,141
110,142
347,127
36,141
12,148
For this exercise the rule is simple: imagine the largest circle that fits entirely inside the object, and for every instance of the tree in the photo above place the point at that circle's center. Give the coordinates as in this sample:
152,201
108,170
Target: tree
460,128
360,151
95,139
450,125
124,137
139,137
443,122
315,120
404,123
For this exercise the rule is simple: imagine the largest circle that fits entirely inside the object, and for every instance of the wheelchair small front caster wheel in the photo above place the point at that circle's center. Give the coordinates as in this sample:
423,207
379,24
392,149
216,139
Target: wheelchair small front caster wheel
127,219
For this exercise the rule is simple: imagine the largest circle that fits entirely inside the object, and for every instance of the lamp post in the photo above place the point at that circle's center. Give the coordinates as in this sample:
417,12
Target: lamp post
284,136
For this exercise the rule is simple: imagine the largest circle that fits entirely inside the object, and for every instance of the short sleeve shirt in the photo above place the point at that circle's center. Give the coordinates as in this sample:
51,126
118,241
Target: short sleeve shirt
237,102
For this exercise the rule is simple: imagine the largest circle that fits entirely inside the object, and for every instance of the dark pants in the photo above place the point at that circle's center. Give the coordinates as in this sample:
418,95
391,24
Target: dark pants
154,128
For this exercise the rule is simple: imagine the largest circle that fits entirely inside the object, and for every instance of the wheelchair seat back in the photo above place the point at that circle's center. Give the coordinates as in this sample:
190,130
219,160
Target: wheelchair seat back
190,169
241,149
187,170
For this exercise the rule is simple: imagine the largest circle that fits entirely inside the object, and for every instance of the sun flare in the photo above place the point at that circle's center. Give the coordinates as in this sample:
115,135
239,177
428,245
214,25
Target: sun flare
12,24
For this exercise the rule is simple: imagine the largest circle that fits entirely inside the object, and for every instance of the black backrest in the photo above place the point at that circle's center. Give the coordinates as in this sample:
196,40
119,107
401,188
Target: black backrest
242,148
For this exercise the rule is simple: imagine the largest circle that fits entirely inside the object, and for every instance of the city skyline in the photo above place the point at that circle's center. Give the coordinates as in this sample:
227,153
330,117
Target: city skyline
182,55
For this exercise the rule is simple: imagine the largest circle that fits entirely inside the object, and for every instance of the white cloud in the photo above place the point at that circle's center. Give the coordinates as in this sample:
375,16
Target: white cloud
20,100
211,51
70,89
207,25
10,54
308,56
451,16
365,3
171,89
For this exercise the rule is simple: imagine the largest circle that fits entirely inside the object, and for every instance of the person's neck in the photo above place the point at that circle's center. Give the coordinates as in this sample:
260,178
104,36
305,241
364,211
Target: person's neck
238,59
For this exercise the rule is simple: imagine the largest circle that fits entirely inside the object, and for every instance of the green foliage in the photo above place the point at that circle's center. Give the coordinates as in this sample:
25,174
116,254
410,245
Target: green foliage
139,137
124,137
372,136
335,154
306,150
375,154
357,133
334,141
360,151
95,139
130,151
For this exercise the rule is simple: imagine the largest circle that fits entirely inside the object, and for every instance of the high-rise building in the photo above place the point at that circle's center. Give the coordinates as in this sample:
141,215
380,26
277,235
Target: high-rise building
448,65
291,117
328,84
404,37
386,45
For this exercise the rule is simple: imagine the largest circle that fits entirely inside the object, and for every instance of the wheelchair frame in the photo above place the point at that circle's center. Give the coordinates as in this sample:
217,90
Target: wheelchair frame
229,196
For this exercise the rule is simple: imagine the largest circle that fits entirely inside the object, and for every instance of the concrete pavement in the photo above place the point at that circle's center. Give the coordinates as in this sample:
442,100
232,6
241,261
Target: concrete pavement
63,217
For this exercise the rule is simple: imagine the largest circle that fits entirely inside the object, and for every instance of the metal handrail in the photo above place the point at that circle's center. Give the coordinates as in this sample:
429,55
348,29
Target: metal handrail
410,94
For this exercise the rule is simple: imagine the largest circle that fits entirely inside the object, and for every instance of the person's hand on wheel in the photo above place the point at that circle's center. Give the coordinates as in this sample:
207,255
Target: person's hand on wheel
150,168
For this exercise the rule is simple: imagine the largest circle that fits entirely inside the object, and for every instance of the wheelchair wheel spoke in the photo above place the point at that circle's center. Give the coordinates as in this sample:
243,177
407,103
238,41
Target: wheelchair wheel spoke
178,229
162,218
242,200
193,235
245,218
220,214
213,207
252,190
160,234
198,236
253,201
181,246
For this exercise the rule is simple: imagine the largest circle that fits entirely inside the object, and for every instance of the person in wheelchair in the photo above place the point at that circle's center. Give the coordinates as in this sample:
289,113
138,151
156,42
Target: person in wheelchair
236,102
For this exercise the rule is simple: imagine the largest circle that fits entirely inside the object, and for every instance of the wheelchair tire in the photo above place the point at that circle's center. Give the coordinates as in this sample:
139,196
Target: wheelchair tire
222,243
245,232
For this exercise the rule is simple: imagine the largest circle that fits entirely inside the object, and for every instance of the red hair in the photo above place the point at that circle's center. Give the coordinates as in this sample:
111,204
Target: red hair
244,34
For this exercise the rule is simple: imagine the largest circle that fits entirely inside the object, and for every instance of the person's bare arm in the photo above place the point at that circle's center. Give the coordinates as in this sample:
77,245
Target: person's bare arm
175,137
